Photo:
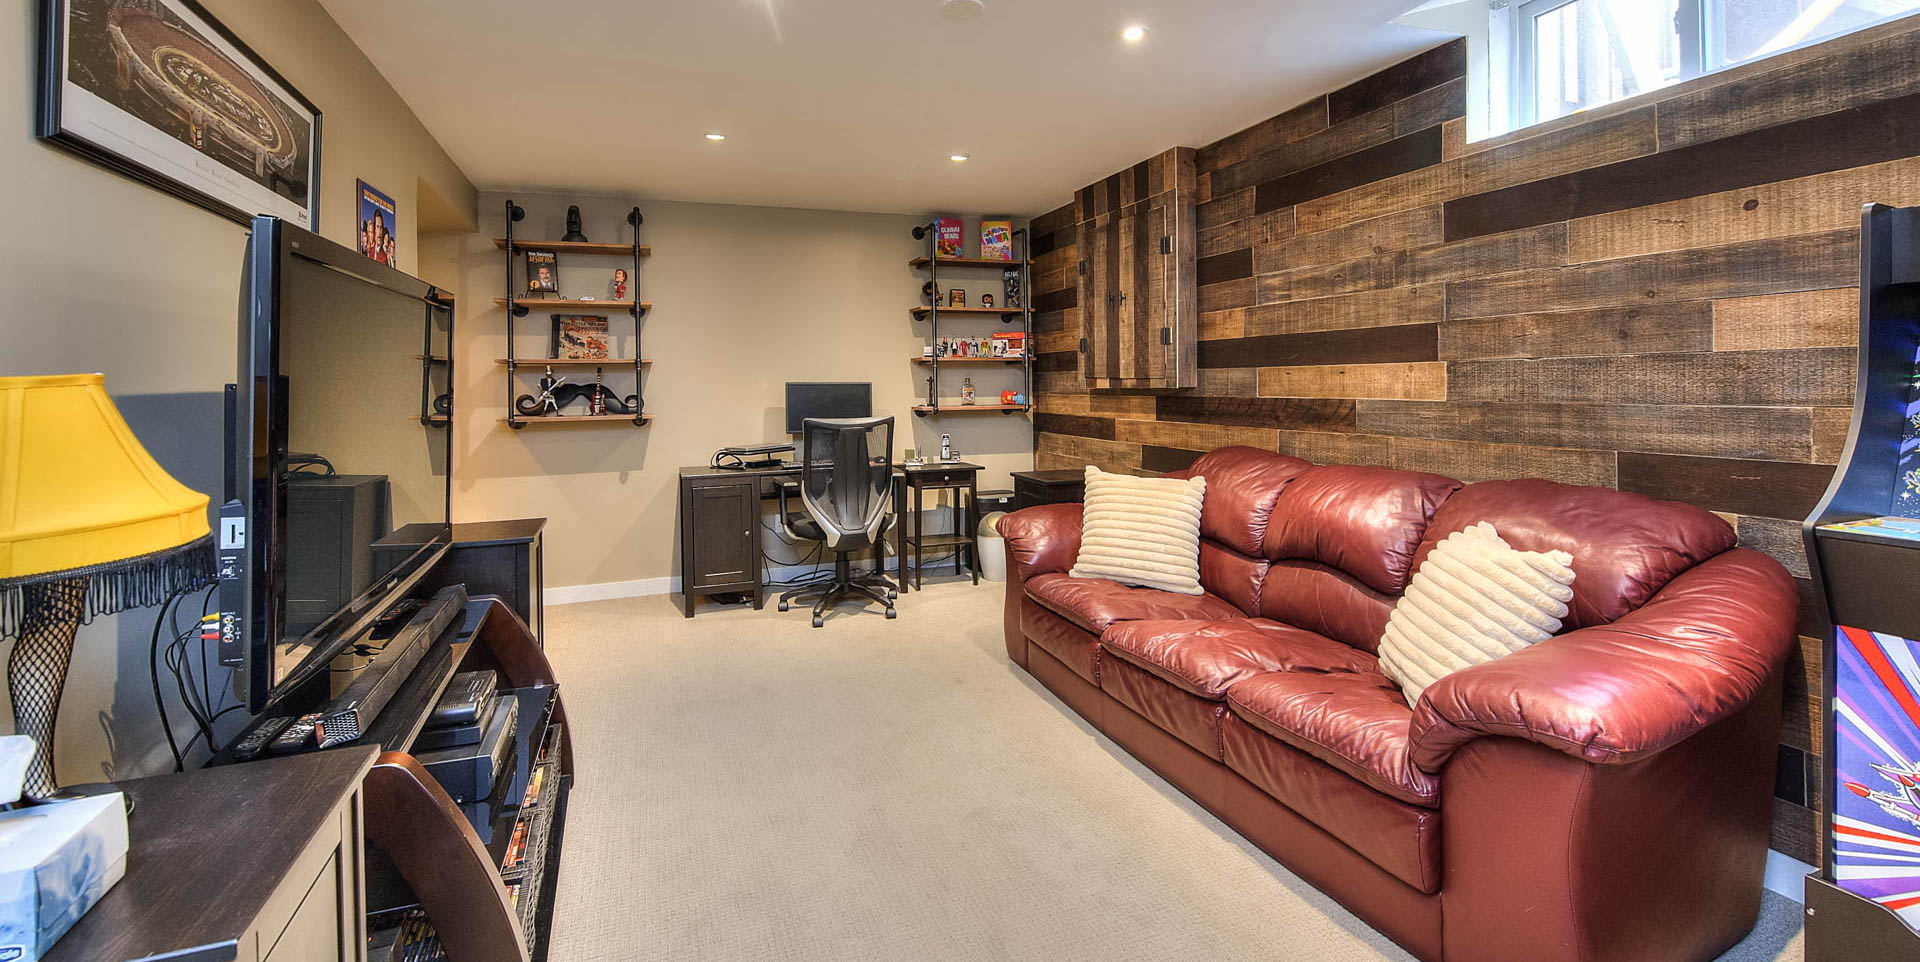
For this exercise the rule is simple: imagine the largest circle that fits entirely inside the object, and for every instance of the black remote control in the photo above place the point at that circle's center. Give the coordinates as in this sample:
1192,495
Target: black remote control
297,736
262,734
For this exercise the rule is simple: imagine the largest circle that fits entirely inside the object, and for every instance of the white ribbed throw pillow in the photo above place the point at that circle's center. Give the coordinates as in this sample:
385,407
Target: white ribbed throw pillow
1141,531
1474,599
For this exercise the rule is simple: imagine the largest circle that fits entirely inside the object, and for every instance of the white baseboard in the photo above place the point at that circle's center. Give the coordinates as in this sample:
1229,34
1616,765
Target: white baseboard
1786,875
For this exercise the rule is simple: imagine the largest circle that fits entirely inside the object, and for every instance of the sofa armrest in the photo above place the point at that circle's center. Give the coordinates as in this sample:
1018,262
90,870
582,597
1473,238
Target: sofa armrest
1042,538
1694,654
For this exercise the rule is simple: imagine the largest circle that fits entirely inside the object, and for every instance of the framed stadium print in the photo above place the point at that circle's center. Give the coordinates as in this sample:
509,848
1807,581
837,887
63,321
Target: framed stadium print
162,92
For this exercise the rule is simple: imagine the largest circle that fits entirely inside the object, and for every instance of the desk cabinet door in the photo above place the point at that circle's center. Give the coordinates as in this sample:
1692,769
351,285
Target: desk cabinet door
724,550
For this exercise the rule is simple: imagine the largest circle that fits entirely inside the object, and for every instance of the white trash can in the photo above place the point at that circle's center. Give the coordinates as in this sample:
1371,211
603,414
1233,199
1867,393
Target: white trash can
993,548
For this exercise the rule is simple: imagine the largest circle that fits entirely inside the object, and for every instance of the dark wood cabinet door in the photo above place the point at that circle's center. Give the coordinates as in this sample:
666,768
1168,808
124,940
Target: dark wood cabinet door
723,548
1138,295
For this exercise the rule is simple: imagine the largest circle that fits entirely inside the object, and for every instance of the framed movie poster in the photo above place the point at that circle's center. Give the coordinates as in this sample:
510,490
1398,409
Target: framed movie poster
543,272
580,337
160,91
377,223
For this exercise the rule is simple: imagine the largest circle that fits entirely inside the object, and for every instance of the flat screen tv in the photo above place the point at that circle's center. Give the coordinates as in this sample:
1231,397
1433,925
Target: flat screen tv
328,454
827,399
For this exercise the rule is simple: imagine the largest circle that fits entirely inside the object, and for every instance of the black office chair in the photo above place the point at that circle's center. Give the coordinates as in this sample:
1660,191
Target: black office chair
846,487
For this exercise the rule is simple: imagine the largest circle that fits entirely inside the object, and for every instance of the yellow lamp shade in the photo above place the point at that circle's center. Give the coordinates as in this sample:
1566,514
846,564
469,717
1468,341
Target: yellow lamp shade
77,490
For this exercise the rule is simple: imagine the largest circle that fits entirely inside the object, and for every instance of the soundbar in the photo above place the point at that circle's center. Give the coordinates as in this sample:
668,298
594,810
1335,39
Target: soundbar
348,716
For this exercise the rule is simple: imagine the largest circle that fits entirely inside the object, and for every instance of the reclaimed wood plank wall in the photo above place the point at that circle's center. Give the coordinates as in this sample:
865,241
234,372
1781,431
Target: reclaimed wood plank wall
1657,295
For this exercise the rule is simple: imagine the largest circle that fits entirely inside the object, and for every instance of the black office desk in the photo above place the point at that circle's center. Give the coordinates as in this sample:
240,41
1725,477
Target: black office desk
720,518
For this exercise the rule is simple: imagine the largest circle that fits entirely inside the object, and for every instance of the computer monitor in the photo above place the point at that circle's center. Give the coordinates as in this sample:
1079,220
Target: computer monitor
827,399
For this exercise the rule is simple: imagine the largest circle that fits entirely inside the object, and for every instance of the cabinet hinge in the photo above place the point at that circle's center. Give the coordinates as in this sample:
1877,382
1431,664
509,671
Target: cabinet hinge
1083,268
1166,335
1166,245
1083,345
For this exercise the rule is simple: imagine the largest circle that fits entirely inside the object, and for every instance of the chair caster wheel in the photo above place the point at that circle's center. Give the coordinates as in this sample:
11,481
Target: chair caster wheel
893,595
891,614
818,622
783,606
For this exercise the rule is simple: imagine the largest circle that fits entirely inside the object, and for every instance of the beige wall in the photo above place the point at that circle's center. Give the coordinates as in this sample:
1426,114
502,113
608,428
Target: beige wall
745,299
105,274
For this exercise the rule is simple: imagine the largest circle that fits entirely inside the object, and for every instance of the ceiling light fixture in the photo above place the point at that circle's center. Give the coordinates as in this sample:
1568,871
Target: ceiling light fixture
962,10
1134,34
716,137
956,158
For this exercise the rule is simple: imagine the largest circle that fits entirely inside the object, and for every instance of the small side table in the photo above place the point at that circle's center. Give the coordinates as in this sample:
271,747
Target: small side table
1062,486
960,477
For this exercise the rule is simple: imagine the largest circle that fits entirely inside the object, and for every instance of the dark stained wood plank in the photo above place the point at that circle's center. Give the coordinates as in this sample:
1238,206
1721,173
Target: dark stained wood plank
1443,63
1221,297
1225,208
1800,725
1717,431
1059,300
1795,832
1306,414
1340,140
1844,81
1075,424
1247,232
1325,447
1483,461
1778,537
1852,138
1282,128
1768,489
1806,262
1230,266
1430,107
1053,362
1054,451
1192,435
1156,458
1398,156
1637,329
1812,377
1405,342
1377,235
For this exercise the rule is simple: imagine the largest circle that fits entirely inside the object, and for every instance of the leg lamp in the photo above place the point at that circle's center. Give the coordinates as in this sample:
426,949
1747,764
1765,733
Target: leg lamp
89,525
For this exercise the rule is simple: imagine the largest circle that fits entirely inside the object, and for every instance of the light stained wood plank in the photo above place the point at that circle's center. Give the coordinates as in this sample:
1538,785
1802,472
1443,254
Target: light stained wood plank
1809,377
1073,451
1377,235
1829,434
1225,208
1226,295
1215,325
1542,246
1228,382
1829,318
1190,435
1056,341
1483,461
1644,328
1729,432
1251,231
1453,138
1424,304
1804,205
1849,76
1327,447
1411,381
1771,266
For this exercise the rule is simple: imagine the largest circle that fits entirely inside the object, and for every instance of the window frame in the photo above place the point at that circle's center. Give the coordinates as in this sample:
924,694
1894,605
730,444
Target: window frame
1523,103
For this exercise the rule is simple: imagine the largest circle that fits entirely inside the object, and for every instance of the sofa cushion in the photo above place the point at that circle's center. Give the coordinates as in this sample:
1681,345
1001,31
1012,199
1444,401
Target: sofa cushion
1204,658
1365,521
1326,600
1190,718
1358,723
1243,485
1095,603
1474,599
1400,838
1142,531
1625,547
1069,644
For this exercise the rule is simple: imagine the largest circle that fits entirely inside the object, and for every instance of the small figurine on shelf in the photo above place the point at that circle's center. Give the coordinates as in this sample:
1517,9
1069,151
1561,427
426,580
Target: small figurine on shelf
1010,279
957,298
966,391
573,226
1006,397
548,384
929,293
618,289
597,401
986,300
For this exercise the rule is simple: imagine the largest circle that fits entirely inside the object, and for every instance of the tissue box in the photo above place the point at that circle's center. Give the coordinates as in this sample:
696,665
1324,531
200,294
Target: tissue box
56,860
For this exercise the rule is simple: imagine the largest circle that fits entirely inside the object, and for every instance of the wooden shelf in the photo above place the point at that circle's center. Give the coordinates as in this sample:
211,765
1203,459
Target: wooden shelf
431,357
571,362
971,360
965,262
573,247
576,419
538,304
923,310
434,419
969,408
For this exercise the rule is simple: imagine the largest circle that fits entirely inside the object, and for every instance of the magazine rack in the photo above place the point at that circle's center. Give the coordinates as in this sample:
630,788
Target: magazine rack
1019,269
518,306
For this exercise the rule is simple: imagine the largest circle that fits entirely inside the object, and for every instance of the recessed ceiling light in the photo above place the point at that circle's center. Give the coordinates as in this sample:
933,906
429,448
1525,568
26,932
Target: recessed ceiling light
716,137
1134,34
956,158
962,9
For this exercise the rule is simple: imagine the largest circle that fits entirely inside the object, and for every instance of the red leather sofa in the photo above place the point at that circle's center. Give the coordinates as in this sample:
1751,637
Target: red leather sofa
1602,795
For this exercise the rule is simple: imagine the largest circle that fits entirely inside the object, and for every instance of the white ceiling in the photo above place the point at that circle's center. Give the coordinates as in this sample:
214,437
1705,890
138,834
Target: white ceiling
853,104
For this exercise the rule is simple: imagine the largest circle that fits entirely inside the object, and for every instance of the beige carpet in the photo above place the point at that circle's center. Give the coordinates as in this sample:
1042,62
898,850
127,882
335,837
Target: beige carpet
752,788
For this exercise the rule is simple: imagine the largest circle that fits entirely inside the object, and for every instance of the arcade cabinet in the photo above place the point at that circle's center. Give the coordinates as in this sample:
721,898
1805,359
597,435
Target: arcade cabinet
1863,544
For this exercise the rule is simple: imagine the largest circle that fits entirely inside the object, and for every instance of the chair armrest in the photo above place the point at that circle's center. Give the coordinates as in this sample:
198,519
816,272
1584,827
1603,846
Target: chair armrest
1042,538
1694,654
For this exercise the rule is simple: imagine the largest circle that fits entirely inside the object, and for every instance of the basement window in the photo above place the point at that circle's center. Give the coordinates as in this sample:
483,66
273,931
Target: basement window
1551,58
